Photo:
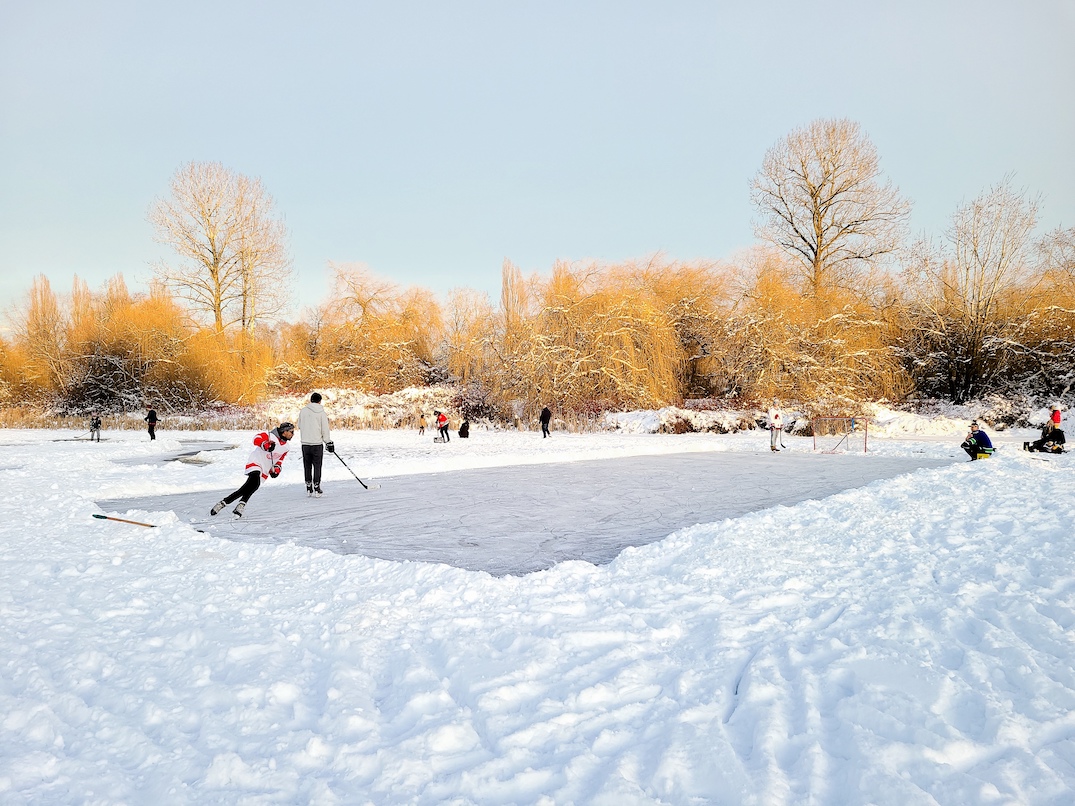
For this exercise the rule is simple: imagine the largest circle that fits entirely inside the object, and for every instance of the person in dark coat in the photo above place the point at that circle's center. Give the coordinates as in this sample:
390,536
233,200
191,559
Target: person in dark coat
95,428
1052,440
977,444
546,418
151,419
464,430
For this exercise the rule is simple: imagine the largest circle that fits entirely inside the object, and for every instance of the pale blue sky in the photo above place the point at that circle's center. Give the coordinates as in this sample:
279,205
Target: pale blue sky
431,140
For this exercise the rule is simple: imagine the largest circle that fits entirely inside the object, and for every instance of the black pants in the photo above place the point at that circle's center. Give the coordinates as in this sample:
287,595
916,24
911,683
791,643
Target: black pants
152,430
973,450
544,430
312,457
444,434
250,486
1040,445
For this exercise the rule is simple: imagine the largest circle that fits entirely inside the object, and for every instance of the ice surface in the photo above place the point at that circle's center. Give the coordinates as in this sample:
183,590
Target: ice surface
524,518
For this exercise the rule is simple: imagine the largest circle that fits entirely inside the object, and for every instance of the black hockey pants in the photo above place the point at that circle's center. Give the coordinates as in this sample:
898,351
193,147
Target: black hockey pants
250,486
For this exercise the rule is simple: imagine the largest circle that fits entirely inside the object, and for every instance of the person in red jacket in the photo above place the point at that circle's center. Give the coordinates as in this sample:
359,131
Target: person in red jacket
442,426
264,462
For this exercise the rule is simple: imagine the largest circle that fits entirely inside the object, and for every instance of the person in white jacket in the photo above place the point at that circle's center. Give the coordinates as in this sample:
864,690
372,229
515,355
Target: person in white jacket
315,438
776,426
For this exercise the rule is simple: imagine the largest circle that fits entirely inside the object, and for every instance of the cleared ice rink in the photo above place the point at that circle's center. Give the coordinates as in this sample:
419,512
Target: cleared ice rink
523,518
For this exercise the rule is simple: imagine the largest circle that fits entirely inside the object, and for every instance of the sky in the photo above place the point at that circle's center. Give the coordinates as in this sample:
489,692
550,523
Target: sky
430,141
907,640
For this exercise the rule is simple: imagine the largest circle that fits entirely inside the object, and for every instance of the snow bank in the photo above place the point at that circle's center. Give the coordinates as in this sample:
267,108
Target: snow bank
905,642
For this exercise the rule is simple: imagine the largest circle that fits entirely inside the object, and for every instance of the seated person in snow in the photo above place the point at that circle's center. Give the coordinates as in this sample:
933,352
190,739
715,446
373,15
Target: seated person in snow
977,444
1052,440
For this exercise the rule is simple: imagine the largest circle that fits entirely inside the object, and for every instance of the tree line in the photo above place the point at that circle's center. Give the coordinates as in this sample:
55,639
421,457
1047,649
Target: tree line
834,306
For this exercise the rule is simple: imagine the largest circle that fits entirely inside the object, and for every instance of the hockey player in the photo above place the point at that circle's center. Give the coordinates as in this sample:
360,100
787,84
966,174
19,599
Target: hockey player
776,428
264,462
316,438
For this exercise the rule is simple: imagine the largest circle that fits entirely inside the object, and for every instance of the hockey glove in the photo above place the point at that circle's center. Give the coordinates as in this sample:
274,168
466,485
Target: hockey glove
274,472
330,447
269,446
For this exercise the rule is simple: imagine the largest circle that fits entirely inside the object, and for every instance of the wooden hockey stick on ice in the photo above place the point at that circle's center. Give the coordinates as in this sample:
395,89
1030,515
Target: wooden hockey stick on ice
124,520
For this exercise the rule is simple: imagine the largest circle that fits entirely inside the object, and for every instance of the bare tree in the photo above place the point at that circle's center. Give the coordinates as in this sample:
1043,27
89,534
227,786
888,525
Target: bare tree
233,264
1058,256
821,199
974,294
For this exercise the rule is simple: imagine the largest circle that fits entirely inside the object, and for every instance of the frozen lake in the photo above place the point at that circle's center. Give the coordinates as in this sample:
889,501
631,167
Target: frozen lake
523,518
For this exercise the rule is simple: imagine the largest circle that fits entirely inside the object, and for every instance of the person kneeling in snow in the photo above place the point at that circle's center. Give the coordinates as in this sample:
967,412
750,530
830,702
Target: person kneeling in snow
1052,440
977,444
270,448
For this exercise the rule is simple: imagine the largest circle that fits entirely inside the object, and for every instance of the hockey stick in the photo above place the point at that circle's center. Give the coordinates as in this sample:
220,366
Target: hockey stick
349,470
136,523
124,520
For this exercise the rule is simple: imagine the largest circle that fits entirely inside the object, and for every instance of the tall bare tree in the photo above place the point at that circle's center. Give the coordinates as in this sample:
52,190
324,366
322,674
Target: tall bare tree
975,293
233,266
821,198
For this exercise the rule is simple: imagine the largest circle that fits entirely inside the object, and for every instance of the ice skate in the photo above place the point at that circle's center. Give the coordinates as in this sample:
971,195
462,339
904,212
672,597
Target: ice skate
216,509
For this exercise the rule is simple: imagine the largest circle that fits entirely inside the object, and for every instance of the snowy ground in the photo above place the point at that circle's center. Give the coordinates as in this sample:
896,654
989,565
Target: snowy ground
906,641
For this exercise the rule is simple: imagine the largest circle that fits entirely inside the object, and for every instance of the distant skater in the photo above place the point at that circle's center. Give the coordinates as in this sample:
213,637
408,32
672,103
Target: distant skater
776,428
546,418
264,462
95,428
421,424
316,439
151,420
442,426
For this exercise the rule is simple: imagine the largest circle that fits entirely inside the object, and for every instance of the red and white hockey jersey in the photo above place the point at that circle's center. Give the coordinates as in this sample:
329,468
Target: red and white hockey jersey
263,460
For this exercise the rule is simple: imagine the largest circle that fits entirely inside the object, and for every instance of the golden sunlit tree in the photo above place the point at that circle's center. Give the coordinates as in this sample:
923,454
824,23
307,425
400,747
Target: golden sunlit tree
375,336
589,341
828,353
40,328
